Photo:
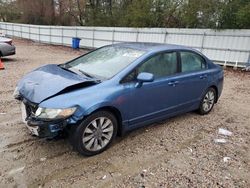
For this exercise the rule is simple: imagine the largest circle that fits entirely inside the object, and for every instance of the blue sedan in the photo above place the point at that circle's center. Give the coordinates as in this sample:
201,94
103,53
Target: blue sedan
115,89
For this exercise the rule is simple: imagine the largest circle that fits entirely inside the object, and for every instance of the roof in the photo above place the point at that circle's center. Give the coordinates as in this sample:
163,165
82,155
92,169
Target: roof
147,46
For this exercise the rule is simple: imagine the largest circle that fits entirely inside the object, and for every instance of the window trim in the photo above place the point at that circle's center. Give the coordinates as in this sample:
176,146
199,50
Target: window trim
145,60
199,55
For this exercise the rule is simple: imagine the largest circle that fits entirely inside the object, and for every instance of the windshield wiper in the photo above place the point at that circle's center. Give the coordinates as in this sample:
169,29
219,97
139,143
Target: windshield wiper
85,73
67,69
78,71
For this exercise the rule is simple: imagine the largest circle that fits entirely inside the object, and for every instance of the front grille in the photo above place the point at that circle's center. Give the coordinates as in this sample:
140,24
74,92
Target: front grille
30,107
30,110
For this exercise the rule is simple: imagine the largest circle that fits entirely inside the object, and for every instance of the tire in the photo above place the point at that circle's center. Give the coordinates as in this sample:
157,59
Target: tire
94,134
208,101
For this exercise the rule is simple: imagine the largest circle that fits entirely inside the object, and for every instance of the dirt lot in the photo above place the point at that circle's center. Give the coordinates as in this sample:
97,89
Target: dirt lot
179,152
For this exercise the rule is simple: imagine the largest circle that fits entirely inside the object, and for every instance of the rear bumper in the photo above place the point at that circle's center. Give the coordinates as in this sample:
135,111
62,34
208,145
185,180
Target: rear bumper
11,50
10,53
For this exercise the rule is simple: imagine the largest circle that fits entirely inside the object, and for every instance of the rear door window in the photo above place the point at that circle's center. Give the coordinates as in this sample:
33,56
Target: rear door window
191,62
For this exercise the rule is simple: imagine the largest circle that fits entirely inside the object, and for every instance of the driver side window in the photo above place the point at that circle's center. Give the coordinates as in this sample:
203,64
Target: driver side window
160,65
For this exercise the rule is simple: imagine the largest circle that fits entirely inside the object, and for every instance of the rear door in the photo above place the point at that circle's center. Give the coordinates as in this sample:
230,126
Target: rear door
192,80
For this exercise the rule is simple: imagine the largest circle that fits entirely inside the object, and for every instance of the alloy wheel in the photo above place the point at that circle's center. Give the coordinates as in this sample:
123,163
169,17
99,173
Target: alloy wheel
98,134
208,101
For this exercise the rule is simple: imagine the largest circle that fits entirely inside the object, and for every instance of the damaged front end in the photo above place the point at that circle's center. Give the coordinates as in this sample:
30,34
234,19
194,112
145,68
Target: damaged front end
40,85
42,127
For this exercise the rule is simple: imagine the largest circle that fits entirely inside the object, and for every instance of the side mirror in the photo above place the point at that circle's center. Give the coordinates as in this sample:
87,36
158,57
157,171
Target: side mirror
144,77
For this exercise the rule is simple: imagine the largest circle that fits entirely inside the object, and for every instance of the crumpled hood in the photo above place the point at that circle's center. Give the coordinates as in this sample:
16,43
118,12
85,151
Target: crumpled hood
48,81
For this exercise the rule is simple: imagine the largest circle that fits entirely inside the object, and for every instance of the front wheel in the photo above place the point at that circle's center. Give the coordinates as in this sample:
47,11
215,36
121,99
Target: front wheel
95,133
208,101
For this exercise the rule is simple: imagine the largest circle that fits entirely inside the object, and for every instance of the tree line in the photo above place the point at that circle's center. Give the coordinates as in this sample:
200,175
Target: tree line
216,14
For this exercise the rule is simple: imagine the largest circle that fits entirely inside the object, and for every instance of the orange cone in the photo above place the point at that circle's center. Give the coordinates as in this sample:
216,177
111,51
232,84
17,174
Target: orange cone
1,64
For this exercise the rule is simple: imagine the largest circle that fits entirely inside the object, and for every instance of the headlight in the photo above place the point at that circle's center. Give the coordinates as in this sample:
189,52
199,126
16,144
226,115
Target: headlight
48,113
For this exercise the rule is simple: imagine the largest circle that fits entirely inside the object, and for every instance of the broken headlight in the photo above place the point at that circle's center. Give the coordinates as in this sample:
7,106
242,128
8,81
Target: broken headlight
49,113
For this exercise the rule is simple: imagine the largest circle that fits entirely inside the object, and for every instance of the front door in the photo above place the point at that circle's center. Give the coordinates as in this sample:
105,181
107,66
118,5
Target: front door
158,98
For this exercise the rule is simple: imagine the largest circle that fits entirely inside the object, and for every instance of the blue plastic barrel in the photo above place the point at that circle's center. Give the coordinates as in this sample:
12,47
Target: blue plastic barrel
75,42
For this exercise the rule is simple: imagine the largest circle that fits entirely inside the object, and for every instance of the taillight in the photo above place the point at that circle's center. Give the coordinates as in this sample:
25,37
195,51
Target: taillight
9,42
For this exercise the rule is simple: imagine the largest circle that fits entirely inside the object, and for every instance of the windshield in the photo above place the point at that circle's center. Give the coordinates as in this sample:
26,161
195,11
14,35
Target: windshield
105,62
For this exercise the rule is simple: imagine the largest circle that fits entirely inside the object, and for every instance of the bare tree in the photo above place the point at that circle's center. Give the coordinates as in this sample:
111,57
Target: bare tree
37,12
74,8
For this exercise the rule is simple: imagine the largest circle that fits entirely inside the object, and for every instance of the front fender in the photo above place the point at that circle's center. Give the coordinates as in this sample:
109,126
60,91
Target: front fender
81,114
96,107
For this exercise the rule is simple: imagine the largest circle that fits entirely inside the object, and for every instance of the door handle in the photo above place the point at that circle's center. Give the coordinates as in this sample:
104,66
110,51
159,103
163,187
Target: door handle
173,83
204,76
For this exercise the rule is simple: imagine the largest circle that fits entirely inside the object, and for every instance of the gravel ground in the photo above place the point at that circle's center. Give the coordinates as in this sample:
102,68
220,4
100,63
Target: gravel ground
179,152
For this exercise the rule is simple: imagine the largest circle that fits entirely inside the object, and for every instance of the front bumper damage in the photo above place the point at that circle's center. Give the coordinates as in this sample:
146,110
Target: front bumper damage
46,129
38,127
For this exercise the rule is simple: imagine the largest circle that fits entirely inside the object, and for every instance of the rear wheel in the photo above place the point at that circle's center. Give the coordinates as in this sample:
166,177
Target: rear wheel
208,101
95,133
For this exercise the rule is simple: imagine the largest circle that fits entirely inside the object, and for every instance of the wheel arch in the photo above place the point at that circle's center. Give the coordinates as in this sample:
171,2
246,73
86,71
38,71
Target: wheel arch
115,112
216,90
